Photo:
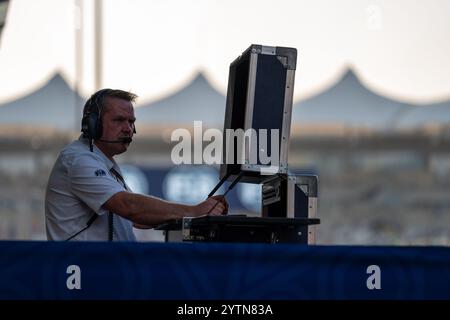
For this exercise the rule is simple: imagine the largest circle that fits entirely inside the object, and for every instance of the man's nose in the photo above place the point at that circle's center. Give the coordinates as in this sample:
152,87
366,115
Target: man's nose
128,127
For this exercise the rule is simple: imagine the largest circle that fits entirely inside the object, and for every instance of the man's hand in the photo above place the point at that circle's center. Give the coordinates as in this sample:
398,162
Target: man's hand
214,206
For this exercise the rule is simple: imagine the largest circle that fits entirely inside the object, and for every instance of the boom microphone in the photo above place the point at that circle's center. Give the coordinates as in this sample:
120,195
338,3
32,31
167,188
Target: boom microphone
122,140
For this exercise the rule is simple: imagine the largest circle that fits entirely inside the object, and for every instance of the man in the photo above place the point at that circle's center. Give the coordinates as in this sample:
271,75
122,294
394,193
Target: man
87,198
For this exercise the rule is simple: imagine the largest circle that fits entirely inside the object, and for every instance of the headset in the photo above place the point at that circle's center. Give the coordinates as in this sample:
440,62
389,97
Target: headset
91,124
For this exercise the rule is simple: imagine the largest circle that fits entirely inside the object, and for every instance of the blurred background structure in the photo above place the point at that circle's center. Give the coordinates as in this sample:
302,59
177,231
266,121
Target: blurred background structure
371,115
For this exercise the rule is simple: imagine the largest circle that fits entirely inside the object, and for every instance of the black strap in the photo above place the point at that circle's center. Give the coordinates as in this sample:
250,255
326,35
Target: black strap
235,181
219,184
88,224
111,214
119,177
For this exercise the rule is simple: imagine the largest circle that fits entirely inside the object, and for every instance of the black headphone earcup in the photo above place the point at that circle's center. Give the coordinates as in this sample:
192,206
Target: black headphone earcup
98,127
90,126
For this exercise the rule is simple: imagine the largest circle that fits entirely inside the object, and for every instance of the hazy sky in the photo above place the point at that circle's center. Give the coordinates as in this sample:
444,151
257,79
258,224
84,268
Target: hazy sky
398,48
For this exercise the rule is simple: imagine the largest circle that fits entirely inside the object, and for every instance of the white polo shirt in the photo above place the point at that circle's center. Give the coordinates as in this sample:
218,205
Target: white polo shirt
81,181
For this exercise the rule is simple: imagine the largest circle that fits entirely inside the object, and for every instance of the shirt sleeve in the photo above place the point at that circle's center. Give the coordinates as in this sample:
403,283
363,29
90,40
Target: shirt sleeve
92,182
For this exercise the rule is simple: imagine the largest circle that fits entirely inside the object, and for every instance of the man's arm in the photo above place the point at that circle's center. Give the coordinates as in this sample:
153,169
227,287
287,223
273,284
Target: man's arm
150,211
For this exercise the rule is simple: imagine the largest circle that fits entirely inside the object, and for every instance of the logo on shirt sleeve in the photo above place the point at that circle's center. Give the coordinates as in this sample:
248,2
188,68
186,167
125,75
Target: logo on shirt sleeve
100,173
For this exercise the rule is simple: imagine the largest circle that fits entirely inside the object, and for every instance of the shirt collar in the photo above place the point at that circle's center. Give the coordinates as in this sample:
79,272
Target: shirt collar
109,163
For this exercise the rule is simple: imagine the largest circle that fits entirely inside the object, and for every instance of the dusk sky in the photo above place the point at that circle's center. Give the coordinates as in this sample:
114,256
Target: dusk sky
399,49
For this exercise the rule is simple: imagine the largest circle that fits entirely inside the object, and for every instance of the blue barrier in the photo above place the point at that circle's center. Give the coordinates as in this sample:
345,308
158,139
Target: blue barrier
202,271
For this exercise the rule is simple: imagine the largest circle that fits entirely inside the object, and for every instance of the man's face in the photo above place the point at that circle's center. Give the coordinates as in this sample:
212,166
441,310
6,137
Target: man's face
118,123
